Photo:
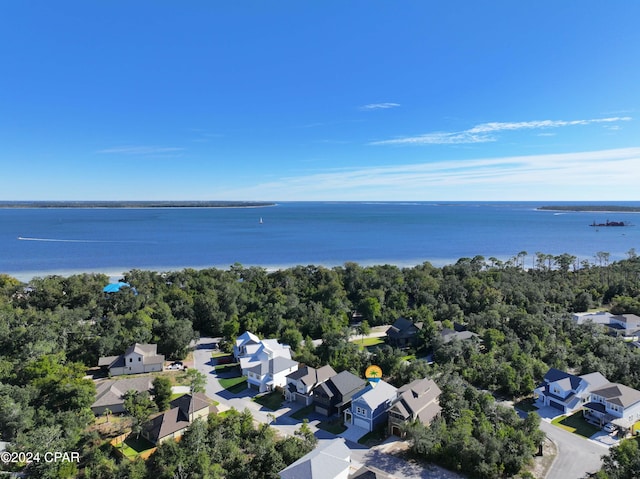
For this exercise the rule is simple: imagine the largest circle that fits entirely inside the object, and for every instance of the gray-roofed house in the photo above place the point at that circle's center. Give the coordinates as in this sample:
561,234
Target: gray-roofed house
626,326
614,403
139,358
416,401
300,383
110,393
329,460
271,373
334,395
567,392
369,406
172,423
404,333
447,335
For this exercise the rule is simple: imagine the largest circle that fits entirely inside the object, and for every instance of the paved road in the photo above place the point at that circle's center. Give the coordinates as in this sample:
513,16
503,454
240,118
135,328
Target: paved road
577,456
380,457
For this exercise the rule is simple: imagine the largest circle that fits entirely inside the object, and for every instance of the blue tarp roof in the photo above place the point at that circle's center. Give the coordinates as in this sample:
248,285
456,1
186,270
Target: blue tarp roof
115,287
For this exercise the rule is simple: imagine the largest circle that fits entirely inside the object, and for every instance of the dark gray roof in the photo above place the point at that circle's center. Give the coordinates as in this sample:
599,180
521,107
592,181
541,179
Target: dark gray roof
190,403
345,382
311,376
619,394
166,423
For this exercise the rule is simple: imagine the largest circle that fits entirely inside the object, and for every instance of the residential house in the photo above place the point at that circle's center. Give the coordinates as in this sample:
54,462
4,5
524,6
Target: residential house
369,406
329,460
567,392
404,333
246,344
139,358
334,395
110,393
300,383
448,335
614,403
172,423
626,326
270,373
416,401
265,362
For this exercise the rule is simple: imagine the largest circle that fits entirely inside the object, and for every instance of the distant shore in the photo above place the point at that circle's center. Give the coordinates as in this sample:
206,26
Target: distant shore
593,208
134,204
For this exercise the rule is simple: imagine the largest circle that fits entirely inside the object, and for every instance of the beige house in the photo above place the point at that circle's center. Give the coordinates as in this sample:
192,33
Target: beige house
139,358
416,401
173,423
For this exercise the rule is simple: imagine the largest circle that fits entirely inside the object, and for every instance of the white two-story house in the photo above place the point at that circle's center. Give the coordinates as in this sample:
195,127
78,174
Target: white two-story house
139,358
567,392
265,362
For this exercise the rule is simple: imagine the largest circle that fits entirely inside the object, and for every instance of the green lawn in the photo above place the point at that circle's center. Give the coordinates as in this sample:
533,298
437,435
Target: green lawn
220,354
272,401
526,405
303,413
334,426
367,342
234,385
226,368
410,357
576,424
131,447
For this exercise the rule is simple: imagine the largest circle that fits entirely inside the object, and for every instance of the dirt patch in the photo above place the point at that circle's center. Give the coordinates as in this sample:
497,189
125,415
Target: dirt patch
542,464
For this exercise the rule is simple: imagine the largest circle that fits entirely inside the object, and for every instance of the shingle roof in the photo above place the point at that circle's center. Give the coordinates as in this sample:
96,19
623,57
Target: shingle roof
190,403
418,399
110,392
345,382
619,394
166,423
327,461
374,396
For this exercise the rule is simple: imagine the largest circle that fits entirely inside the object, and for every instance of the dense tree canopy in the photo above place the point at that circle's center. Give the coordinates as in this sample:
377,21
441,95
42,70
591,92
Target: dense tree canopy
53,328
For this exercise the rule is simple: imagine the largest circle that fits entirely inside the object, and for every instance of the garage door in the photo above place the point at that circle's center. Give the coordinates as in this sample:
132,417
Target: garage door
322,410
361,423
556,405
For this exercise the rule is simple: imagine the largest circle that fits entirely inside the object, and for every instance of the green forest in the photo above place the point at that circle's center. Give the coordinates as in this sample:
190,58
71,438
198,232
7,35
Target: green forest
54,328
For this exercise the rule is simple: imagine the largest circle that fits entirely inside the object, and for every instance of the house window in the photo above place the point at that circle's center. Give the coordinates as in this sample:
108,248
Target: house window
130,360
139,359
361,411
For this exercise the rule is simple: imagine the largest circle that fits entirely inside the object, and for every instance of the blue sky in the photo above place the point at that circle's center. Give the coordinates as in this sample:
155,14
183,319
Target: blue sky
331,100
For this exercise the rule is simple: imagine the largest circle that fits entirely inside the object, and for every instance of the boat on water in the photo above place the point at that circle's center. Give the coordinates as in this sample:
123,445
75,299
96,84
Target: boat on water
260,220
610,223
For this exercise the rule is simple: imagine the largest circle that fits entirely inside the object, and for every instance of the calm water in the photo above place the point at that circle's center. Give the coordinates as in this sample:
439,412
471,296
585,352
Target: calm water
62,241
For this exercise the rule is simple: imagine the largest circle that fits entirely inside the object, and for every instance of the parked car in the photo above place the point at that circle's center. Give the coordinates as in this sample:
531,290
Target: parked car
176,366
609,427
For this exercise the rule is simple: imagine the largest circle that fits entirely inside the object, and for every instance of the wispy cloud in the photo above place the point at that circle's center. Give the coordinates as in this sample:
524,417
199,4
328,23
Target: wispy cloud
139,150
572,176
379,106
485,132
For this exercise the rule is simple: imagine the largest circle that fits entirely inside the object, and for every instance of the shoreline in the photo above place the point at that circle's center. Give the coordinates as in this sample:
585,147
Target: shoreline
133,204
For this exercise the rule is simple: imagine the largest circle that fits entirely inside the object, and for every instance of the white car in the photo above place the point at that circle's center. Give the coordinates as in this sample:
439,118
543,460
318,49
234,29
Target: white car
609,427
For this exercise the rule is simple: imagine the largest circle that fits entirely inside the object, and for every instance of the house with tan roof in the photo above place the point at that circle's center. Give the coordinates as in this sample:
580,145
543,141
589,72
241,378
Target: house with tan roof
300,383
416,401
139,358
110,393
172,423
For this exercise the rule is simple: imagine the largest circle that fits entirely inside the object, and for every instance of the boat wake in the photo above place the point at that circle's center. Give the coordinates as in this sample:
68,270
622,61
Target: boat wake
57,240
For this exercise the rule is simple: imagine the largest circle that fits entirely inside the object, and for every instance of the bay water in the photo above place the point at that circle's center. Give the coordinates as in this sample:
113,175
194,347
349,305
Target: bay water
42,241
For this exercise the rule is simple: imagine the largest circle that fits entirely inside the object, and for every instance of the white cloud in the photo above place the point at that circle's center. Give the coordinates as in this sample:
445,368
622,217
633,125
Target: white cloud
607,174
139,150
379,106
483,133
